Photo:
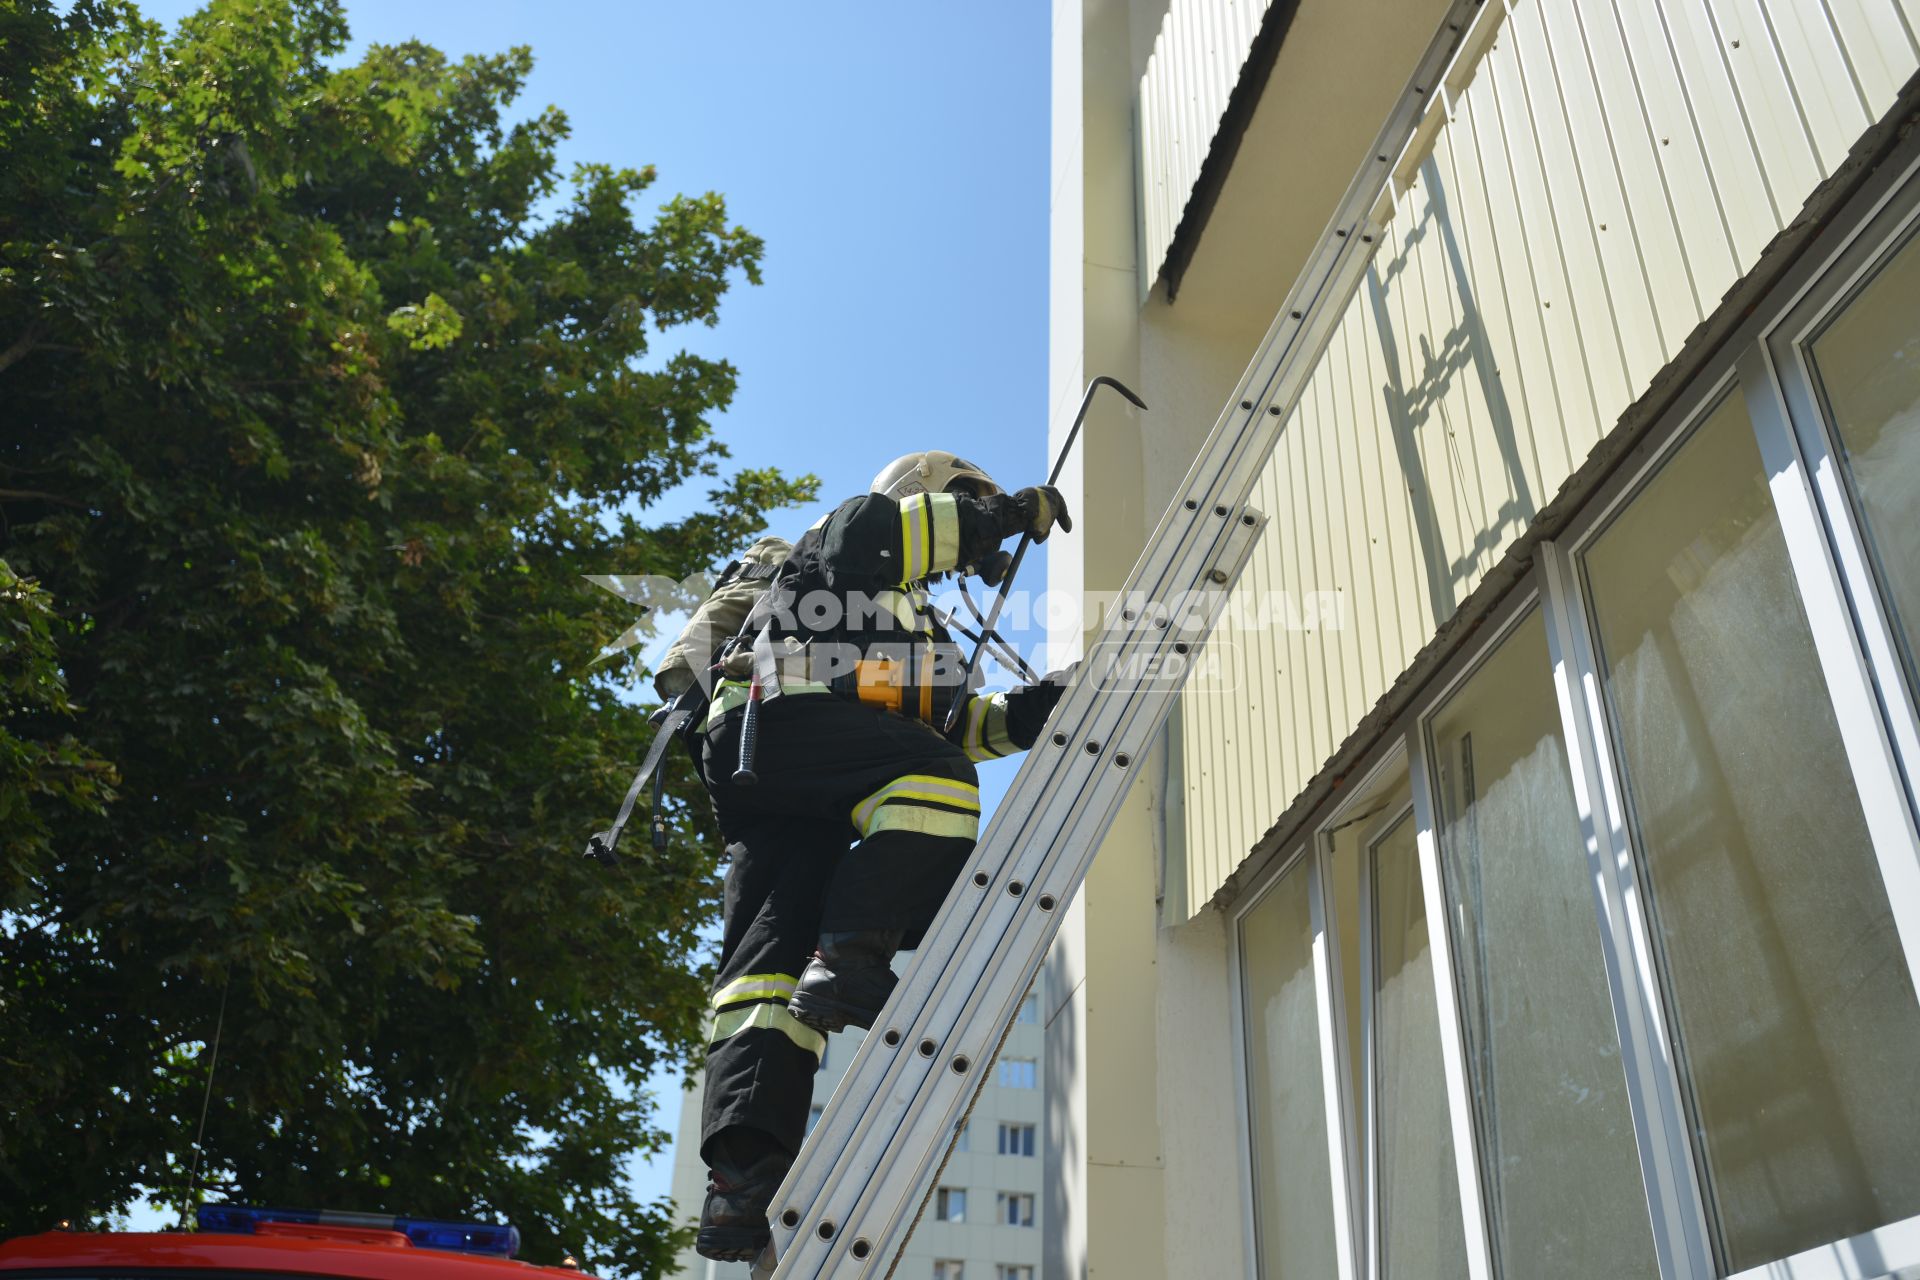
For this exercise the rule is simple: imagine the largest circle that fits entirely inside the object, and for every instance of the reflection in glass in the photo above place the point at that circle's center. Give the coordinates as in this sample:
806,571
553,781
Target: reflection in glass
1792,1008
1293,1188
1561,1176
1420,1232
1868,362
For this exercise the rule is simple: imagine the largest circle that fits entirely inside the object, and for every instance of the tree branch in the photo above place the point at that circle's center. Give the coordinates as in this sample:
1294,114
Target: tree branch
36,495
22,347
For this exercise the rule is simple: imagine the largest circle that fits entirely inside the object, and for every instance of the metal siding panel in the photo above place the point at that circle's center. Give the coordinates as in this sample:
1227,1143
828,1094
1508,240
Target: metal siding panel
1646,217
1522,390
1451,399
1880,48
1558,302
1713,108
1537,353
1699,204
1190,75
1769,112
1636,323
1830,103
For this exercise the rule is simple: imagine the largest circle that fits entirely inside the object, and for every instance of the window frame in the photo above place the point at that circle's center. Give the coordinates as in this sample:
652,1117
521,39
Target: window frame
1764,360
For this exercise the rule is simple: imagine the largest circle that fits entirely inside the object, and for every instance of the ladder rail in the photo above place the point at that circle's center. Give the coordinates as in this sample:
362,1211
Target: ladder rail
915,1096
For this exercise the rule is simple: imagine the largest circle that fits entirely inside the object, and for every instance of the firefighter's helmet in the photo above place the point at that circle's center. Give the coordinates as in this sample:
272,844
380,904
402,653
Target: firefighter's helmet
934,471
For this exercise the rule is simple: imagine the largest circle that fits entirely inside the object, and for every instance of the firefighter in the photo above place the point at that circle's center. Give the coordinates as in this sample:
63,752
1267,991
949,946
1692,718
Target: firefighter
863,810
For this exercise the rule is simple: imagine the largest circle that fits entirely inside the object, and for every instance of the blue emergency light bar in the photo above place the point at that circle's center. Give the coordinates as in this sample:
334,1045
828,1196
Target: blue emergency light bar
500,1239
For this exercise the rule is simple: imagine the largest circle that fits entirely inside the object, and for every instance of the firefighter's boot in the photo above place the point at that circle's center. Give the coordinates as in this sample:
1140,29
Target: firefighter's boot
847,982
746,1169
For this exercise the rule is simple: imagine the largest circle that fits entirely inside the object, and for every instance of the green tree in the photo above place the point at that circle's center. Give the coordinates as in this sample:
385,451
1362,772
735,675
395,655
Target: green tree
319,392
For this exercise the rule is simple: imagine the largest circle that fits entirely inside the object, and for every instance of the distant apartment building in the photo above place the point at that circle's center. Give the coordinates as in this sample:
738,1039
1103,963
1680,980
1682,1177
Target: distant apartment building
984,1219
1533,890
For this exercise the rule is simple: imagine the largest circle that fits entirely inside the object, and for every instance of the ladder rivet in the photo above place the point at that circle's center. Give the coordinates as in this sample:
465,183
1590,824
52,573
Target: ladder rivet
861,1248
1046,902
791,1218
826,1231
1218,577
1192,505
1220,511
1128,615
1093,748
960,1064
1296,315
1248,521
1015,888
980,878
1180,646
1274,409
1160,623
892,1038
1246,404
1123,759
1059,739
926,1048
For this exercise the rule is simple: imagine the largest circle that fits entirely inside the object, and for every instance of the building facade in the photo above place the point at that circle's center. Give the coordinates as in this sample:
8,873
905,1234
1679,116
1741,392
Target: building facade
985,1219
1529,885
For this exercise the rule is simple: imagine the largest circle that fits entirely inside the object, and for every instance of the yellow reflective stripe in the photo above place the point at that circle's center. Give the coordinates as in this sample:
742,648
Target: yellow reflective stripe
929,534
933,822
769,1017
917,786
986,735
943,550
729,694
755,986
916,537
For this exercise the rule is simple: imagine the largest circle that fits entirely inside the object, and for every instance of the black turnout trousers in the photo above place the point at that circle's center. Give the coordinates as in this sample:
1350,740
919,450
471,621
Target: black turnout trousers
861,820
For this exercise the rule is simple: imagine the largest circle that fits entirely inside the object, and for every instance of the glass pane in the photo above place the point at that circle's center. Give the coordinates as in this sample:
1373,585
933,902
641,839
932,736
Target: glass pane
1293,1189
1420,1233
1794,1015
1868,363
1561,1174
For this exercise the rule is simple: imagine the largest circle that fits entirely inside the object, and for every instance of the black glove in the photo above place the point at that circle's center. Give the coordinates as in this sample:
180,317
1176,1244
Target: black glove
1034,510
1029,706
993,567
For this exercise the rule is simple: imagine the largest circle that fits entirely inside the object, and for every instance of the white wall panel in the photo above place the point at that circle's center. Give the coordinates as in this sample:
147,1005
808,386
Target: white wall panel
1599,183
1195,63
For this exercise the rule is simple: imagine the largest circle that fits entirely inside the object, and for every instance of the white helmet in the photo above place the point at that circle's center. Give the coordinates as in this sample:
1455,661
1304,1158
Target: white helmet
934,471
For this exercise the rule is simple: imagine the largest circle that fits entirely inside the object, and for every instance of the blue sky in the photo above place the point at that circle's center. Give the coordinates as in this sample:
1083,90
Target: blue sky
894,158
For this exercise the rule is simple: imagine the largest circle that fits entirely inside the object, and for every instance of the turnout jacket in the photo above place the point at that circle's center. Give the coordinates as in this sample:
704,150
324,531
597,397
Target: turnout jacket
849,615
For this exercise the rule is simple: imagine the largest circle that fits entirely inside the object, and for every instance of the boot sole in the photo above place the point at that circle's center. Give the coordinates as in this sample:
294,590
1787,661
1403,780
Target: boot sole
827,1015
731,1244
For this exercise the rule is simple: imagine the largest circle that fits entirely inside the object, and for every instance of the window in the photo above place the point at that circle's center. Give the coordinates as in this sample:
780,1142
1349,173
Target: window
950,1204
1867,364
1559,1169
962,1140
1019,1073
1012,1271
1030,1013
814,1113
1293,1186
1014,1208
1420,1231
1016,1139
949,1269
1793,1014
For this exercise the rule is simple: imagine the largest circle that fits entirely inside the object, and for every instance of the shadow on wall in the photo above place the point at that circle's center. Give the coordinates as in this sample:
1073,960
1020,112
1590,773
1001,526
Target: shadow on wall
1060,1255
1417,408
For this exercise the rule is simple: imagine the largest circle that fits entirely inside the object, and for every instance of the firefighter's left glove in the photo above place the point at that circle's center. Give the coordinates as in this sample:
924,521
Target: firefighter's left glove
1029,706
1034,510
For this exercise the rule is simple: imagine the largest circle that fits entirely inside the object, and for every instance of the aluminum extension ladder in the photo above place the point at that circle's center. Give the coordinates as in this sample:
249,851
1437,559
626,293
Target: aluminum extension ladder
853,1196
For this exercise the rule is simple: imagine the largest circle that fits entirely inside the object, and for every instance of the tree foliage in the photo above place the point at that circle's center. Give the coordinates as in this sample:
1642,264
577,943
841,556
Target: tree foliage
319,392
